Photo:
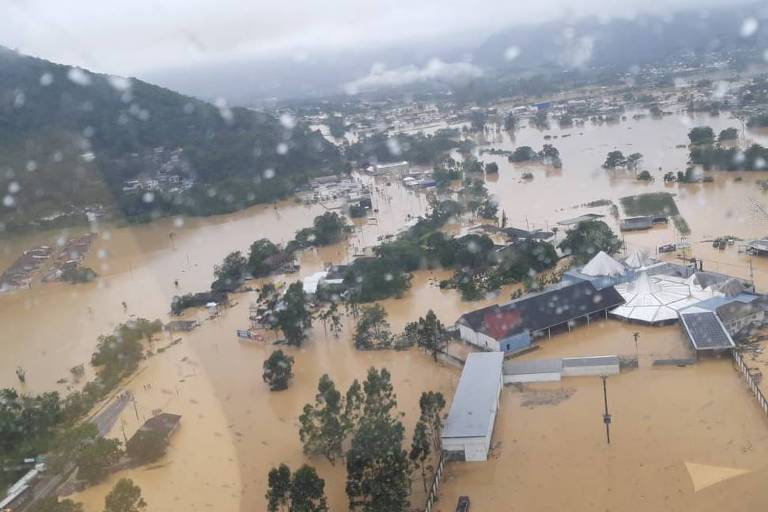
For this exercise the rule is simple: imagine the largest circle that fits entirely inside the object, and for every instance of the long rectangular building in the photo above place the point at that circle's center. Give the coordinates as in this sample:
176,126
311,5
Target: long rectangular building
469,427
512,326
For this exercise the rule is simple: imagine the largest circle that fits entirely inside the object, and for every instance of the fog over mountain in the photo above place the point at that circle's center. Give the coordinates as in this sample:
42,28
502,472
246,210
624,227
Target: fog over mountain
246,53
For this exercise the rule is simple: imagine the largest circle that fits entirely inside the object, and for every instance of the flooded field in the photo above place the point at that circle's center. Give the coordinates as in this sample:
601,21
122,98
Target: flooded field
550,456
681,439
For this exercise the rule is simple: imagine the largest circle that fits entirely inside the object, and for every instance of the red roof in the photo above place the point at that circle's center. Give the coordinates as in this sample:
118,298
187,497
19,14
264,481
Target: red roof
500,322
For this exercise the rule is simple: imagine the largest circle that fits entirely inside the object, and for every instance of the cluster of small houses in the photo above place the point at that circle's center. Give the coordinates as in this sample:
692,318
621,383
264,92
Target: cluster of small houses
712,309
69,256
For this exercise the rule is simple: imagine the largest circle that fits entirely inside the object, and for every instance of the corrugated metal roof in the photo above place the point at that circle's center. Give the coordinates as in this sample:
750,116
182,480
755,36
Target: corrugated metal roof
534,366
473,406
706,331
573,362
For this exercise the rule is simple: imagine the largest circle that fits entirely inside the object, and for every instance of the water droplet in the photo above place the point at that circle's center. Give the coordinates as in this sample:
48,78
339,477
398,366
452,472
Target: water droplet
46,79
282,148
511,53
79,76
9,201
749,27
148,197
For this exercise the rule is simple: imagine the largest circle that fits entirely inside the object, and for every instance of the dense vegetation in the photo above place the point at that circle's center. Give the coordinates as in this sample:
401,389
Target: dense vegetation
31,425
418,148
589,238
366,420
70,138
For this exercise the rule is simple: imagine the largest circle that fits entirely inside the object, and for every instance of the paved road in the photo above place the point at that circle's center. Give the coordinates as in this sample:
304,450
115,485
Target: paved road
107,417
104,420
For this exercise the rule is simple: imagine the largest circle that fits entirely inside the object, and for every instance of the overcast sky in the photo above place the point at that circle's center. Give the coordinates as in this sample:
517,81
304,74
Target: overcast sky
130,37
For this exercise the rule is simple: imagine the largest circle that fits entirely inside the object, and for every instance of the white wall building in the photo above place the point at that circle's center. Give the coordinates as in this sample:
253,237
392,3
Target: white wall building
469,427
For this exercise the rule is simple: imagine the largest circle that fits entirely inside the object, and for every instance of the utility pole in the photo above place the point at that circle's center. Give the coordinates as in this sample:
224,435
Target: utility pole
606,415
122,425
136,410
751,272
637,354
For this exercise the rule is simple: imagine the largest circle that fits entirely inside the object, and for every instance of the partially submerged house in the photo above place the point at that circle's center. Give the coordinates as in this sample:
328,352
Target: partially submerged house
513,326
705,331
469,428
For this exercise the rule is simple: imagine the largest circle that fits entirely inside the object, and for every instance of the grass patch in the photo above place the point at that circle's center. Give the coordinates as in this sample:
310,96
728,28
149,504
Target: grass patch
654,203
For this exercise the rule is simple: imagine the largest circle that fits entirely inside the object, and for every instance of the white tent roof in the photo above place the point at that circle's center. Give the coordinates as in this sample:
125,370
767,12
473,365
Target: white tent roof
654,299
311,282
637,260
603,265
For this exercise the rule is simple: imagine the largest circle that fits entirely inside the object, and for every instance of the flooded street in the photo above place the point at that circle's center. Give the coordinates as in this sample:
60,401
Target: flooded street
549,456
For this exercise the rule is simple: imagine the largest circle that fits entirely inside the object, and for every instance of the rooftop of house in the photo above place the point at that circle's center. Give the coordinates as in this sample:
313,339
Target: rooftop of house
541,310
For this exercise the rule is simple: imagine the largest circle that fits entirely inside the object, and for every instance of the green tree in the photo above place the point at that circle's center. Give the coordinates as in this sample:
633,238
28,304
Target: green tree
633,160
431,404
329,228
522,154
728,134
614,159
258,257
421,448
124,497
431,334
308,491
701,135
278,370
378,470
510,122
325,424
336,126
477,119
94,460
587,239
278,488
302,492
230,274
372,330
292,316
492,168
644,176
380,398
488,209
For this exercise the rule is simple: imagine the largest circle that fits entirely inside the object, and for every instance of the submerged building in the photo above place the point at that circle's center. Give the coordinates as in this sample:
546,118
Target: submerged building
469,427
513,326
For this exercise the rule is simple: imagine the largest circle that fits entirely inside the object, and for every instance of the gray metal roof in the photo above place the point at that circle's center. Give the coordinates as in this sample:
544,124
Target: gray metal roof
706,331
534,366
573,362
475,399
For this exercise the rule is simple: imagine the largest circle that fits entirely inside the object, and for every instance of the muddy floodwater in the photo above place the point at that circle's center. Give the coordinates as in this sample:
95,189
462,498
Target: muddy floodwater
672,425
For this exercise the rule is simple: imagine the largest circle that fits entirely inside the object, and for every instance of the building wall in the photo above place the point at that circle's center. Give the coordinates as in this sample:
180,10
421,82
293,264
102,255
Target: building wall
583,371
735,325
478,339
475,449
516,342
532,377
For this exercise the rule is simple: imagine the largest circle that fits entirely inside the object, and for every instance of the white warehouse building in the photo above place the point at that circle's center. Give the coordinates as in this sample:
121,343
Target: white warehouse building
469,427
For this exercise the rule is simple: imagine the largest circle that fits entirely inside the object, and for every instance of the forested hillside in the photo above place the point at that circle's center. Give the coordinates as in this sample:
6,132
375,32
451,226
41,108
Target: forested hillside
71,139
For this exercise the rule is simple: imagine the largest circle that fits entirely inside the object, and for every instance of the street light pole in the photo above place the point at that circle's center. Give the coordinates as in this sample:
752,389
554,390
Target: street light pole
606,415
637,353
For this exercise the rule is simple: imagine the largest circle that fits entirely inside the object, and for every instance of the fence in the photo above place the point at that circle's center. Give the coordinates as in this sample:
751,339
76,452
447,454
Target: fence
751,381
432,496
